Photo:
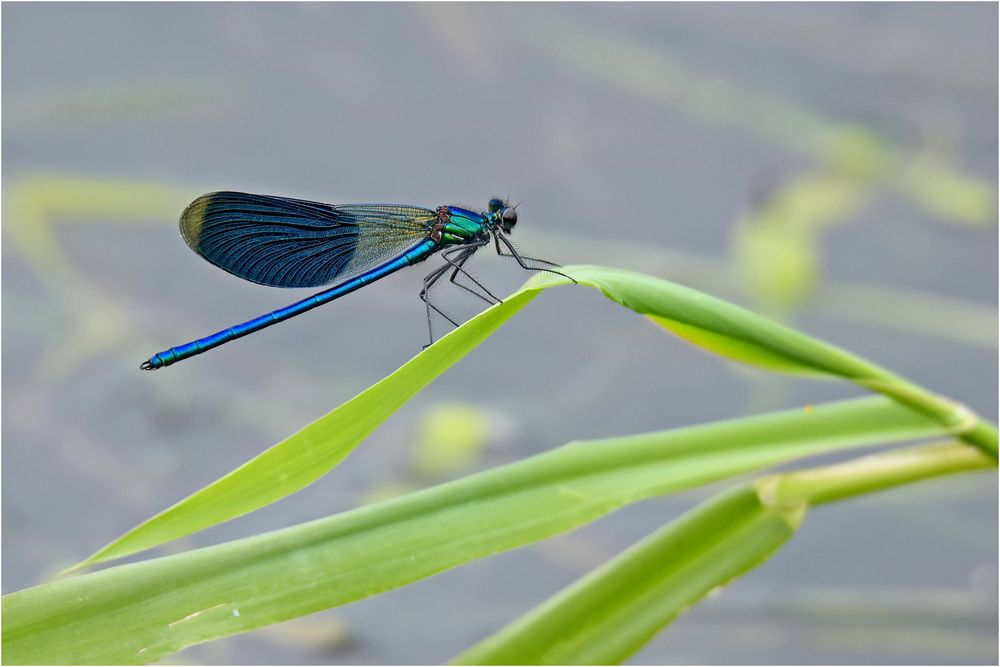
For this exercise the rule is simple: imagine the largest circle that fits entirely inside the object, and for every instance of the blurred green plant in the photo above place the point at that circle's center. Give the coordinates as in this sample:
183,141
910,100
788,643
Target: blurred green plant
450,438
645,69
90,322
777,247
93,102
33,206
142,611
37,201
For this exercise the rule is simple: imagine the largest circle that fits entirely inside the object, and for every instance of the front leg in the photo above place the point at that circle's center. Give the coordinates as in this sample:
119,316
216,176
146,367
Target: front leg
497,238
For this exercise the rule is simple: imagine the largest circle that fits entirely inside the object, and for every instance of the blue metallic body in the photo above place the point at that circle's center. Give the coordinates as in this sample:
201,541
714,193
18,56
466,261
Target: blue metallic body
413,256
295,243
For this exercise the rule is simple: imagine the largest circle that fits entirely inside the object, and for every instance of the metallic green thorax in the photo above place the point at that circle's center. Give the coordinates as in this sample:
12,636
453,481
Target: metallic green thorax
458,226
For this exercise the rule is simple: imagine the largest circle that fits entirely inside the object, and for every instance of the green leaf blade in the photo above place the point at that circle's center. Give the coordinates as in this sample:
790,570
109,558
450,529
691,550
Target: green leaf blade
741,335
711,323
615,610
307,455
721,327
612,612
140,612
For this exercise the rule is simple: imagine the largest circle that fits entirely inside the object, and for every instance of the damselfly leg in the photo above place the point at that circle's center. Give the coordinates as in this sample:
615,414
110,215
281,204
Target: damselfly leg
466,253
454,261
522,260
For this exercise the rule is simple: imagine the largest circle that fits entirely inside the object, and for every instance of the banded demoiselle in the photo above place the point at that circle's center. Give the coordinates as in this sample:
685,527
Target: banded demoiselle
284,242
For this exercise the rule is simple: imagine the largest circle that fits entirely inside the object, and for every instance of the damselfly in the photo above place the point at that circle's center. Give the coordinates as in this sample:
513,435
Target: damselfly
285,242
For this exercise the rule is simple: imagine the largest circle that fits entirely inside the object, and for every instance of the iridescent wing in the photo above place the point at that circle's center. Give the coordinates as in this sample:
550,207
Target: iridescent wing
285,242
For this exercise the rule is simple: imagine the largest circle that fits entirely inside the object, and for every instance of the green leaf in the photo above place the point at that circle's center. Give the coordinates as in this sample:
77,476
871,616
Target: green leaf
615,610
721,327
608,615
711,323
872,473
741,335
143,611
307,455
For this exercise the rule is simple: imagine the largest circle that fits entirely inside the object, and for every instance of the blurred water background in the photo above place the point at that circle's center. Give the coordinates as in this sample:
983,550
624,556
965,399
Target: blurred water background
834,166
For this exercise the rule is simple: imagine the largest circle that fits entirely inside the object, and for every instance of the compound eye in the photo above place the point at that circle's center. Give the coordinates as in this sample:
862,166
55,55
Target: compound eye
495,205
509,218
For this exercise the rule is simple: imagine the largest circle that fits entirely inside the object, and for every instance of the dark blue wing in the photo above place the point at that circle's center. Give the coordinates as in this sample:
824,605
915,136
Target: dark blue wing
295,243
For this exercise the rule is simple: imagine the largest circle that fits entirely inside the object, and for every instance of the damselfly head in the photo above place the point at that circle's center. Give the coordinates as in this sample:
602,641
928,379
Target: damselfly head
502,215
